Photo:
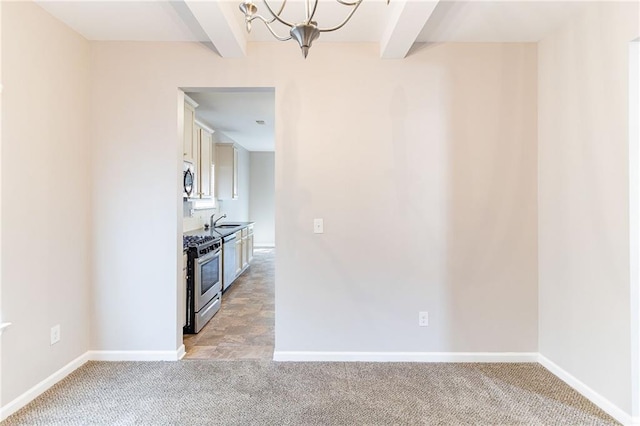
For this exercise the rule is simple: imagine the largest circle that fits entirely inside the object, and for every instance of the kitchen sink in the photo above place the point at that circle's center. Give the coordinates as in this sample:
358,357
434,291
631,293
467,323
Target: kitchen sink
228,225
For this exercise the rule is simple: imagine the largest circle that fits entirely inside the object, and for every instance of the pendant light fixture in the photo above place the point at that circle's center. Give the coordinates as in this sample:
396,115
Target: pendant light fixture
304,32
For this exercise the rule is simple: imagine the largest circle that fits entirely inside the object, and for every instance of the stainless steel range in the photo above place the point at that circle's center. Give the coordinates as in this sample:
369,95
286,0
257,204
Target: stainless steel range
204,280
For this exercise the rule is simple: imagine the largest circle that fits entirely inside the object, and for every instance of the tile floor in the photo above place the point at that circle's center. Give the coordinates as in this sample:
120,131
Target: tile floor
243,328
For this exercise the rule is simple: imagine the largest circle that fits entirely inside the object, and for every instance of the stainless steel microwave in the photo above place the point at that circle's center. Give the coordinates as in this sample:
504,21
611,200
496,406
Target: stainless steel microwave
188,179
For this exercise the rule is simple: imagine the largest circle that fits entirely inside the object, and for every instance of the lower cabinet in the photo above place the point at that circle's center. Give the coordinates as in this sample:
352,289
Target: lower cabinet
244,249
245,246
239,253
249,243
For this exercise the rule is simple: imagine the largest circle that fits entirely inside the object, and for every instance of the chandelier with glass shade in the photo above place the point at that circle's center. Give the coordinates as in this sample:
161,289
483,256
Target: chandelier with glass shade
305,31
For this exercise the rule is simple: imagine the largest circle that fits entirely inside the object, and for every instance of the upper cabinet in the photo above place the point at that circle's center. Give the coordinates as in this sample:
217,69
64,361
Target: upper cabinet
226,172
189,140
205,163
198,150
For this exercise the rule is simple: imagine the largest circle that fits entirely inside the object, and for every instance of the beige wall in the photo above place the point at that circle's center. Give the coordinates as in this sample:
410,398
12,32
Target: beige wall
45,195
262,202
584,283
424,172
634,219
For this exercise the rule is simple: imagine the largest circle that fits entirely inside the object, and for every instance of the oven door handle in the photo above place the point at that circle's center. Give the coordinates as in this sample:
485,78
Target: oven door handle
208,257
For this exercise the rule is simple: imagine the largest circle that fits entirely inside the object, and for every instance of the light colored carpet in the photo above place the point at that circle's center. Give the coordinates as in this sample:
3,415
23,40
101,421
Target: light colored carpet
268,393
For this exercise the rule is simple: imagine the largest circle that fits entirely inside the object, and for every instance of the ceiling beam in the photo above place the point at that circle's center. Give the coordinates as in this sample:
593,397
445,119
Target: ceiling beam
404,24
217,20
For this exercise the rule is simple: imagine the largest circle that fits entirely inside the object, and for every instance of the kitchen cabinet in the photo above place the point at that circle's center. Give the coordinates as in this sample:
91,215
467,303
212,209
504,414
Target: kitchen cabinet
246,235
204,168
239,253
245,252
234,187
250,244
226,176
189,137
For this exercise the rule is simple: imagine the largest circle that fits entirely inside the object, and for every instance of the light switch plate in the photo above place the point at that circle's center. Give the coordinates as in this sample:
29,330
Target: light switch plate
318,226
55,334
423,319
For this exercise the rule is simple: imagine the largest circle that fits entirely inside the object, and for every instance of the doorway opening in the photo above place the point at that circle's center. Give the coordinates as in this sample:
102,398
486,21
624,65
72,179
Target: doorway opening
229,160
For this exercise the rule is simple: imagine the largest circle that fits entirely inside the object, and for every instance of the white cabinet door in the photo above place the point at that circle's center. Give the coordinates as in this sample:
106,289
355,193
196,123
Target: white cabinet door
226,168
245,252
250,248
189,141
235,174
238,257
206,163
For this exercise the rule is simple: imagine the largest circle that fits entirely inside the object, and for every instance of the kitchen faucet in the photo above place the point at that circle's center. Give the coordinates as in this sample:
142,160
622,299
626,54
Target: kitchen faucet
213,222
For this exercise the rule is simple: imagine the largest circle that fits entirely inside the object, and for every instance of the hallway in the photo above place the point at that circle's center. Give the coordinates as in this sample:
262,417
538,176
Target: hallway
244,326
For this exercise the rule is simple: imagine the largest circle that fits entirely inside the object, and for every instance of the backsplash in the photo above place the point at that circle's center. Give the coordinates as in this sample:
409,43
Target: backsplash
199,218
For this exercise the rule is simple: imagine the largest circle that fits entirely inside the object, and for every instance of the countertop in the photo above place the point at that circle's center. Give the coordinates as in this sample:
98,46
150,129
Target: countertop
221,232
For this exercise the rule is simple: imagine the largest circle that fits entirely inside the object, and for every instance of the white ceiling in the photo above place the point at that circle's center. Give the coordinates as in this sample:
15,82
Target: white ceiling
128,20
497,21
482,21
396,27
232,113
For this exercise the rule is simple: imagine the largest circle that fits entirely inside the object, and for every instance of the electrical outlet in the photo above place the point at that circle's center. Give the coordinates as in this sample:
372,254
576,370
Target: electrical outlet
55,334
318,226
423,319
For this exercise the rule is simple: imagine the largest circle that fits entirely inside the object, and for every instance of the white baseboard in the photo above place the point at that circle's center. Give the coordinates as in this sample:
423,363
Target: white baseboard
407,356
137,355
41,387
593,396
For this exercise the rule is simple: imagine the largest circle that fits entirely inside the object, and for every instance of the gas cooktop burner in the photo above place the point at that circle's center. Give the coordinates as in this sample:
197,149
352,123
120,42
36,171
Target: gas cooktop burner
196,240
